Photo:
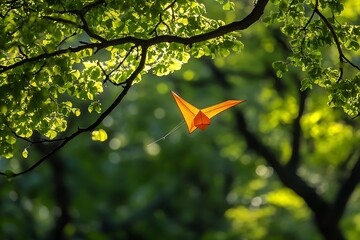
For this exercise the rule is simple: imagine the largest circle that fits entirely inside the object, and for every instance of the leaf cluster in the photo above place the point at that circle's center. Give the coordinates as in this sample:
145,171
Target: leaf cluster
317,31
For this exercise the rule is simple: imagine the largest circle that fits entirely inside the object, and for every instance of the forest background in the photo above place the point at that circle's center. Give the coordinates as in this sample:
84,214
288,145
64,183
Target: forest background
283,165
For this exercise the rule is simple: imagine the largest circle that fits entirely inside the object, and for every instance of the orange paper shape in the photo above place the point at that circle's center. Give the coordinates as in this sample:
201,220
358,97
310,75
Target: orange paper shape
200,118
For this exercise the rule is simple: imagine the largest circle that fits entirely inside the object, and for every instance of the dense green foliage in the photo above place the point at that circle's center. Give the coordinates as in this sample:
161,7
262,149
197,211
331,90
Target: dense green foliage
51,53
282,166
52,48
312,38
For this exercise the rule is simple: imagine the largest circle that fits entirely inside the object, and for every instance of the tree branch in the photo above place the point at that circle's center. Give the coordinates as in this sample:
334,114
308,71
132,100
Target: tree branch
293,163
61,195
342,57
61,20
345,191
126,88
289,178
234,26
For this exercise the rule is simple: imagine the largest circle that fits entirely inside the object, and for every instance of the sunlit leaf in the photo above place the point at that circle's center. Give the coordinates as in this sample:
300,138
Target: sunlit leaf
99,135
25,153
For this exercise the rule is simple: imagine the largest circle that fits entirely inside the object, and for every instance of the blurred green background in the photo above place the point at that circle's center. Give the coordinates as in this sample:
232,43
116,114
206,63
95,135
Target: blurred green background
207,185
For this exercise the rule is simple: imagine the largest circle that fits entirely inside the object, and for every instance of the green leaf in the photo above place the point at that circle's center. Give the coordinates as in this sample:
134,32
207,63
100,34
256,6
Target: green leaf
280,67
228,6
353,45
10,139
99,135
25,153
95,106
306,84
51,134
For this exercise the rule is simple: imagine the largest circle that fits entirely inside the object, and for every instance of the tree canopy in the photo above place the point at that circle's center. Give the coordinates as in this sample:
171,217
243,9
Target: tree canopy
66,65
51,54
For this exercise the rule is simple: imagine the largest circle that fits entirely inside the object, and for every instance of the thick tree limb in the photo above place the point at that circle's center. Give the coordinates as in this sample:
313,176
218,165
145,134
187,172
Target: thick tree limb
234,26
297,133
288,177
345,191
322,210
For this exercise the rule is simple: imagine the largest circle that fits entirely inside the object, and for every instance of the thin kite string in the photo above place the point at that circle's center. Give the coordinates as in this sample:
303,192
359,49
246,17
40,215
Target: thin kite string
171,131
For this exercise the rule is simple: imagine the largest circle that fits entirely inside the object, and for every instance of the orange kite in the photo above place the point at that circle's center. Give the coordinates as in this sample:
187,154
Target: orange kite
200,118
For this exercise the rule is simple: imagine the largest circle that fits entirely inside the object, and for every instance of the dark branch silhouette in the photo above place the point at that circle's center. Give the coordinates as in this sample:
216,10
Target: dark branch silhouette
345,191
297,132
326,214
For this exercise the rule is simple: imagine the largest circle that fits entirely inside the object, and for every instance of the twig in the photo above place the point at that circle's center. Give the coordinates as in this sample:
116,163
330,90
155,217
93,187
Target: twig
161,20
65,39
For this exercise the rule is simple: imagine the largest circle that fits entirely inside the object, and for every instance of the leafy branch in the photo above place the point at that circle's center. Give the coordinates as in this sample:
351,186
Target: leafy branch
246,22
134,42
310,37
107,75
93,125
342,57
161,21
